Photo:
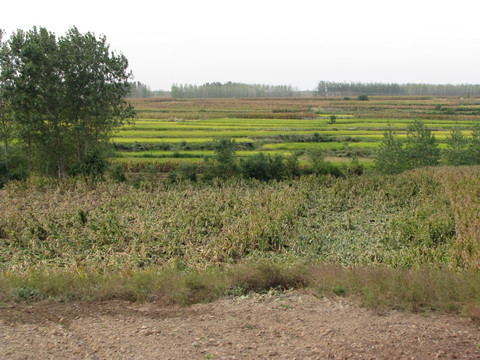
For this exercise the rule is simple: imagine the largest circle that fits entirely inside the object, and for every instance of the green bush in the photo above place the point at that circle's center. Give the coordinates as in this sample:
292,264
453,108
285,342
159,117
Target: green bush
421,147
390,157
93,165
14,167
188,171
117,173
225,164
317,157
292,166
457,152
256,167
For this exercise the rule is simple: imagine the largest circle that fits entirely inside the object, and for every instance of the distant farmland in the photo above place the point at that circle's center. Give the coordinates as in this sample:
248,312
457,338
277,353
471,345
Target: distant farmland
180,130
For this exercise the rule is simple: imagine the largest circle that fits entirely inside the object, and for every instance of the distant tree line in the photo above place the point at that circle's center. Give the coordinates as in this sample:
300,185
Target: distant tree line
231,90
140,90
331,88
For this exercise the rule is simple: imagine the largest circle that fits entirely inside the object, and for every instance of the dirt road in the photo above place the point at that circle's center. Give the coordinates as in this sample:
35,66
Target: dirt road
288,325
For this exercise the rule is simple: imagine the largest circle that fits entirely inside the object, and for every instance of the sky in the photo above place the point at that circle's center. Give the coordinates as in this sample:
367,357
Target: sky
296,42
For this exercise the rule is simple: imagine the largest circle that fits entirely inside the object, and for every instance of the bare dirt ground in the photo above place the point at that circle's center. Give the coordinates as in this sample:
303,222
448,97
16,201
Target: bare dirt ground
288,325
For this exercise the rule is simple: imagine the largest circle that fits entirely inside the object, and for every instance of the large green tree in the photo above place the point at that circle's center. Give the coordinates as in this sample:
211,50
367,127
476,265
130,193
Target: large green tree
24,61
95,84
5,125
66,95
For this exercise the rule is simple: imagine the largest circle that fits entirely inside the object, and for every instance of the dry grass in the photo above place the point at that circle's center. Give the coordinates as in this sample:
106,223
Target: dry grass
421,290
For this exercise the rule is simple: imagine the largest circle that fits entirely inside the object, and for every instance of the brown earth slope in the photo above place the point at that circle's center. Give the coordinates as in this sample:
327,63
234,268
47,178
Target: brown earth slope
291,325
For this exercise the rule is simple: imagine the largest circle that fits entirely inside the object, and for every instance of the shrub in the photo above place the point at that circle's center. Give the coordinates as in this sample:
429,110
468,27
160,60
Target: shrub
14,167
94,164
421,147
390,157
225,164
188,171
362,97
355,168
474,146
3,173
265,167
172,176
256,167
317,157
457,152
292,167
117,173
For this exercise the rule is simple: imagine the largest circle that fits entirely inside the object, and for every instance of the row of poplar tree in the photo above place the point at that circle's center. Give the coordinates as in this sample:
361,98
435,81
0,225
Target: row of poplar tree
332,88
230,90
60,99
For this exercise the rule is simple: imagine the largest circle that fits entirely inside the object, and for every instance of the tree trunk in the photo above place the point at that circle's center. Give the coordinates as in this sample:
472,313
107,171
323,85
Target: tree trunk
61,169
79,148
29,157
61,160
6,154
85,143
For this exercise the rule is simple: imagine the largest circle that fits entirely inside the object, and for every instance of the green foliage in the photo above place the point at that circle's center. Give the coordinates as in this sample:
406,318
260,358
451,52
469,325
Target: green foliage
117,173
13,166
292,166
421,147
339,290
362,97
75,104
3,173
333,119
225,158
390,157
474,146
172,176
188,171
27,293
457,152
261,167
317,158
93,165
355,168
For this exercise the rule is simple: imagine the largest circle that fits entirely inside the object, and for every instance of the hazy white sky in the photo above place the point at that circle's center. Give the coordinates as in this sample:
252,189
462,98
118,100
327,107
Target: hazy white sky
274,41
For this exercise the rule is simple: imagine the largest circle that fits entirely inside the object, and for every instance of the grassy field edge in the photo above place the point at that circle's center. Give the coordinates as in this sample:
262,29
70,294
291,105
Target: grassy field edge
381,288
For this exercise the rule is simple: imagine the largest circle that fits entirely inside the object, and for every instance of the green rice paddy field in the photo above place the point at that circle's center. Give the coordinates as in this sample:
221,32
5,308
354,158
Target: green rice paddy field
180,130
